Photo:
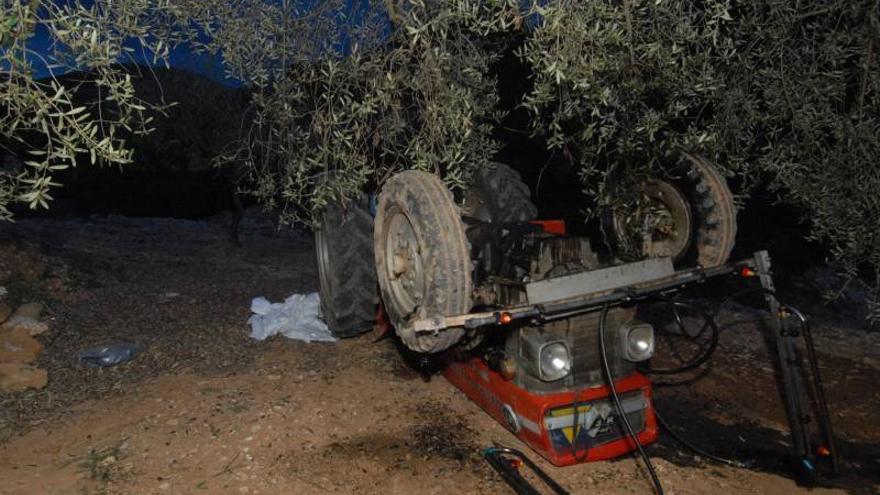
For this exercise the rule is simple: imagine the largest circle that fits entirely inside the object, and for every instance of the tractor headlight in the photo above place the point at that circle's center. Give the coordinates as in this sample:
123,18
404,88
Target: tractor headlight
543,356
554,361
637,341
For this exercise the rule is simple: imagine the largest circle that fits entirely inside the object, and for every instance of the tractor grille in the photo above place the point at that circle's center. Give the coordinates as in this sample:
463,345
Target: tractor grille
583,341
582,335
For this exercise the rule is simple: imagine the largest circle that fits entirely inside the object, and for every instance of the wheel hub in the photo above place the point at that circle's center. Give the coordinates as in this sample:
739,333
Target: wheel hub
659,225
404,262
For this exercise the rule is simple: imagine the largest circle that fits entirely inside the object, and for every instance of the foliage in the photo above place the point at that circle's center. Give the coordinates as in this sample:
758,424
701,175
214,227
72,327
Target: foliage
48,122
785,94
802,108
620,87
344,94
411,89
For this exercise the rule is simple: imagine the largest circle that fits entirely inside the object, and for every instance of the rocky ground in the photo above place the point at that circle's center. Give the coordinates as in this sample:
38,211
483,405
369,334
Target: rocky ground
205,409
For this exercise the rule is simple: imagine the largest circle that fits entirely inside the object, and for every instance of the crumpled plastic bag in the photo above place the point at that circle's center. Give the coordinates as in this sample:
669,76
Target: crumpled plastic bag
298,317
111,355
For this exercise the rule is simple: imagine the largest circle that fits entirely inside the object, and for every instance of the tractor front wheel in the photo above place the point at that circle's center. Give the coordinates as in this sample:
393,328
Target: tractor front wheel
422,260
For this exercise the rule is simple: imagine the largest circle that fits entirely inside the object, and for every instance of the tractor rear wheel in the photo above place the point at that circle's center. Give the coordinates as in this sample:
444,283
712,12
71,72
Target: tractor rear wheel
689,215
422,259
344,249
499,195
714,211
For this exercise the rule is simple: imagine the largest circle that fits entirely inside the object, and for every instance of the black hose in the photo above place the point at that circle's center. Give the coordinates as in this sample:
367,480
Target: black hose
497,450
710,349
682,330
679,322
709,323
620,411
736,295
697,450
512,477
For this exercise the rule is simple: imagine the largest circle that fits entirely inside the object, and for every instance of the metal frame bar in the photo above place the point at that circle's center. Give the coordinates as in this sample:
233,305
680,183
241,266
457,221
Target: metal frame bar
586,303
795,396
800,410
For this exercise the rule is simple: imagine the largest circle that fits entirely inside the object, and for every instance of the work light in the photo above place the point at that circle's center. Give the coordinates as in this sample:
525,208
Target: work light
637,341
554,361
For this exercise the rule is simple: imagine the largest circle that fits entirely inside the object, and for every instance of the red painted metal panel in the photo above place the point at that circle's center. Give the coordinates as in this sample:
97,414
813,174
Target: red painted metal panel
491,392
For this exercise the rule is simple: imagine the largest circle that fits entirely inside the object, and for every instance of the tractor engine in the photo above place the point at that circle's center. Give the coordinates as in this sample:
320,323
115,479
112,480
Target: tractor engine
506,257
556,364
516,264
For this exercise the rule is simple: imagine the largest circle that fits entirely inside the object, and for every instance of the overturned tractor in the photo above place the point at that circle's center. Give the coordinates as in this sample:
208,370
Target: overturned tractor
540,329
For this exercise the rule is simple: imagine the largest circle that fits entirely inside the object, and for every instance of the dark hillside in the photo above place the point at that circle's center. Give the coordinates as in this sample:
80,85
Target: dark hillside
172,174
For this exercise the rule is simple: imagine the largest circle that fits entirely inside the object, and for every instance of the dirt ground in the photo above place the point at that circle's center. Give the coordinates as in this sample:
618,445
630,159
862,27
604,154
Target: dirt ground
205,409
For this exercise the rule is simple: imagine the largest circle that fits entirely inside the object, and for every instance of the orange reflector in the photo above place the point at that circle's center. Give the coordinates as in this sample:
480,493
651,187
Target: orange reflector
551,226
747,272
504,318
823,451
516,463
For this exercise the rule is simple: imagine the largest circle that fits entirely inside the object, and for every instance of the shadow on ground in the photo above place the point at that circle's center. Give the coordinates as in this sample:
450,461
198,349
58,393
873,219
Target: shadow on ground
766,449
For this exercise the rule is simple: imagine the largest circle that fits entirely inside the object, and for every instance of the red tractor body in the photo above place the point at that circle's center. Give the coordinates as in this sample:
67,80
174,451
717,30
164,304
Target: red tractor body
547,422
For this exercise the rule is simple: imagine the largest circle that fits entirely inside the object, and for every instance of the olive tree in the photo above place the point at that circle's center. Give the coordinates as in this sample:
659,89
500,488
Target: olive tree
343,94
340,105
620,88
801,111
338,90
50,124
781,93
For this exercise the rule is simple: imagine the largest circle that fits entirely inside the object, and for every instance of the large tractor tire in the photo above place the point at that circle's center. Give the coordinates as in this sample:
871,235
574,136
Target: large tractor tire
422,260
499,195
714,211
344,248
496,195
689,215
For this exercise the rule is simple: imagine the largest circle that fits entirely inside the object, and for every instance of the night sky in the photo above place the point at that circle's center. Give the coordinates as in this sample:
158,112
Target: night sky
184,57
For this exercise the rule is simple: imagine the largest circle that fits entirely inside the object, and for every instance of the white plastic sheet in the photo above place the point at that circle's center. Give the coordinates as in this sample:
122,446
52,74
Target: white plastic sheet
298,317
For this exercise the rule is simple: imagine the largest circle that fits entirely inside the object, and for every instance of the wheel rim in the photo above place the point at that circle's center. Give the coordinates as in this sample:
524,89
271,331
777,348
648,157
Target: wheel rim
323,251
661,226
403,263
